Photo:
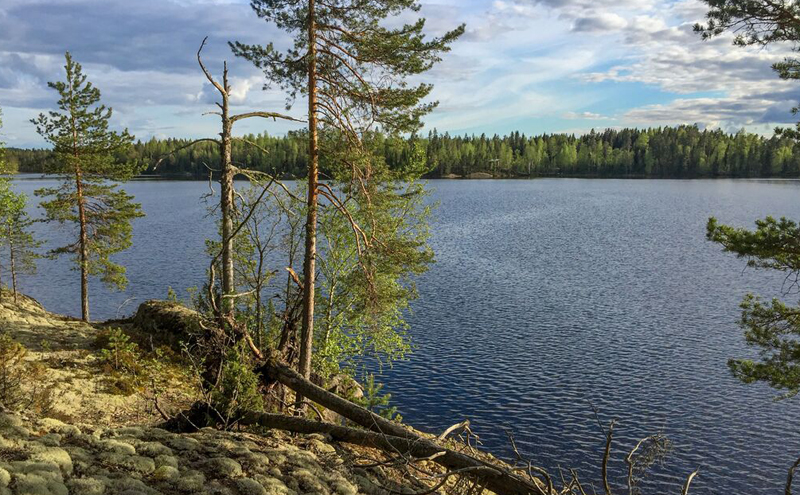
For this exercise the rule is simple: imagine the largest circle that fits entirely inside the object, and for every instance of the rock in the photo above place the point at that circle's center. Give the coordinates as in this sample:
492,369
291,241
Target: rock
248,486
274,486
135,463
170,323
191,481
153,449
86,486
51,439
184,443
223,467
166,460
117,447
166,473
55,455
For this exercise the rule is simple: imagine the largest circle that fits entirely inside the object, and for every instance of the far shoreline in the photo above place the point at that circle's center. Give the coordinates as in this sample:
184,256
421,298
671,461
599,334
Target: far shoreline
483,176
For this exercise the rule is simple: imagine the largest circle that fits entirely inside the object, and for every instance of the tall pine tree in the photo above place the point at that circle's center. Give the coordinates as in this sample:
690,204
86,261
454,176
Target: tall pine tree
353,70
88,196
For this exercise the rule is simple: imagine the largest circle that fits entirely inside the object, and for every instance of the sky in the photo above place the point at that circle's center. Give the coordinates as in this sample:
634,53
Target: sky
533,66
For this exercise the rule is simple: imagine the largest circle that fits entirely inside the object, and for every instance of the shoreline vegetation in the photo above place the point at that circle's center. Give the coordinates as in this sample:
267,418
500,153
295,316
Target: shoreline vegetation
479,176
683,152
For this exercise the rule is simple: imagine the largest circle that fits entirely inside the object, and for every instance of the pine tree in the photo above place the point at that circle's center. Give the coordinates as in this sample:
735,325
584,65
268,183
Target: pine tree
773,327
17,241
353,71
88,196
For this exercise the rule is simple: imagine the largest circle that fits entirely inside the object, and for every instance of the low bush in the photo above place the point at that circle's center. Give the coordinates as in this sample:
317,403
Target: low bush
23,382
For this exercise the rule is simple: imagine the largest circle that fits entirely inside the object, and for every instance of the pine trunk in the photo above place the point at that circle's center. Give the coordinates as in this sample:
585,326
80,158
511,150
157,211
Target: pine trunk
84,246
309,263
83,239
226,203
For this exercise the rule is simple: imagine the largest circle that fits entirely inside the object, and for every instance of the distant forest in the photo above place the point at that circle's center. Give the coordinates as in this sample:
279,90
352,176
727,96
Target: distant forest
683,151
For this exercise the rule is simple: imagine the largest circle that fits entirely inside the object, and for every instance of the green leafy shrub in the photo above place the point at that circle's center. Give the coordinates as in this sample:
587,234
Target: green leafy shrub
119,353
121,361
238,390
377,402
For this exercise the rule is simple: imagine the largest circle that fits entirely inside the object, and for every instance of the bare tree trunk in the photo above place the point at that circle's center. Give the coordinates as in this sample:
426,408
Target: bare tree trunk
83,235
226,200
84,246
309,263
496,478
788,490
13,264
259,316
280,372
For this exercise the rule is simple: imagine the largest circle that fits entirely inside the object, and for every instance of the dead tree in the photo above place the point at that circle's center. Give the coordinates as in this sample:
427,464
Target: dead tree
227,171
494,477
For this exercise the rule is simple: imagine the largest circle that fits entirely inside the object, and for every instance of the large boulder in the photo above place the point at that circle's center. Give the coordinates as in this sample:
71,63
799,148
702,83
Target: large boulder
168,322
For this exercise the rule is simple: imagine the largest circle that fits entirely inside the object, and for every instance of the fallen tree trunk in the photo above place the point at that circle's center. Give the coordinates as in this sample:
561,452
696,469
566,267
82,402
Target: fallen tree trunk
495,478
385,435
280,372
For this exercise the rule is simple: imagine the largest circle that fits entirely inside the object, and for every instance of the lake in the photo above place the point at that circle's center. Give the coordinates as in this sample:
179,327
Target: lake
549,298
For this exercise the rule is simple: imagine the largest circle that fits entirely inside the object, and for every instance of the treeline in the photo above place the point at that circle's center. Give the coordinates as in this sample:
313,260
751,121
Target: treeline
683,151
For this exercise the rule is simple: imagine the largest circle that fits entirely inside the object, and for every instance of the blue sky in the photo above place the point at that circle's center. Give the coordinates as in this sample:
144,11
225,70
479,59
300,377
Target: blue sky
534,66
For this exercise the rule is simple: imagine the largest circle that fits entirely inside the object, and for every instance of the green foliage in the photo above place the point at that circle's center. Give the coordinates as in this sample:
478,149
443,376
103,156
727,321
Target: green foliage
85,152
259,219
238,391
119,353
133,360
377,402
364,296
172,296
22,382
17,244
373,223
773,328
352,40
683,151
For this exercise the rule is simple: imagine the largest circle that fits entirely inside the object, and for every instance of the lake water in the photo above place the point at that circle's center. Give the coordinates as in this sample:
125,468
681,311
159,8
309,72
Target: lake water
548,298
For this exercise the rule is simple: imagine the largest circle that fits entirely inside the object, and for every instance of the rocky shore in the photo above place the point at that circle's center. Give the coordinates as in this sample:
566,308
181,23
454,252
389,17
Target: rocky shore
88,441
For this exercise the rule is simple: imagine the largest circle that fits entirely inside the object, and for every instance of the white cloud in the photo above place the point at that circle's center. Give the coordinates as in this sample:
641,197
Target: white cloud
520,61
585,115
